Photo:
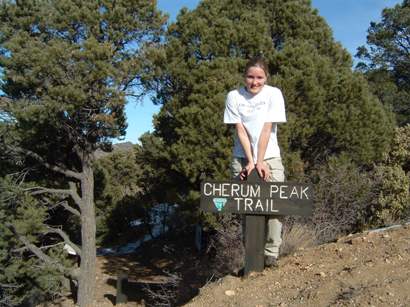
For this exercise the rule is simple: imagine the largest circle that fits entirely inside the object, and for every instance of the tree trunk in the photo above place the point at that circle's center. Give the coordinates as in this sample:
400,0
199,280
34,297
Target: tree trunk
86,288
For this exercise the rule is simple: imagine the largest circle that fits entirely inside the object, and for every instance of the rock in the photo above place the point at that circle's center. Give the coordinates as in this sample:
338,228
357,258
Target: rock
253,274
230,293
356,240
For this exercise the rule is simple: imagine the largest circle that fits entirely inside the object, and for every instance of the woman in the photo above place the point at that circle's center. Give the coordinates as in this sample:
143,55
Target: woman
255,110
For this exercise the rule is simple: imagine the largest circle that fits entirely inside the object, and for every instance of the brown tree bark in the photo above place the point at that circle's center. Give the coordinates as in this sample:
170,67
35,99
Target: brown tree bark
86,289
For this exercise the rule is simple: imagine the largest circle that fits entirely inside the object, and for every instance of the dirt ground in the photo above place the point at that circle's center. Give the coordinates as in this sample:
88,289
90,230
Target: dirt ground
367,269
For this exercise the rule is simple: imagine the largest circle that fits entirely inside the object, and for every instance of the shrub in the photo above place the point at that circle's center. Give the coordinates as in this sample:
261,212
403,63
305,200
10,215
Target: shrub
391,195
342,193
226,246
399,153
296,234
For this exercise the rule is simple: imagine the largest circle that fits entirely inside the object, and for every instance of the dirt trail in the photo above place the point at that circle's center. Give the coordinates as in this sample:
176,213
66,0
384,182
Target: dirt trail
368,269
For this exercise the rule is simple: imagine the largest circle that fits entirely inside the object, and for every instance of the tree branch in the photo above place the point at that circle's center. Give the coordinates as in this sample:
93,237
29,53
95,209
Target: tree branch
66,206
65,237
63,203
42,190
72,192
74,195
22,249
55,168
41,255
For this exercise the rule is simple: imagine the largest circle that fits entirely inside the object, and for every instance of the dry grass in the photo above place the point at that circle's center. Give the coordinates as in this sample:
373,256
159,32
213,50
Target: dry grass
296,236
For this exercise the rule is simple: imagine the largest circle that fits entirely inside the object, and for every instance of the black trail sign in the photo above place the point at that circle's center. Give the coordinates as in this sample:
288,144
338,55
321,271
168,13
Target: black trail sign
266,198
256,199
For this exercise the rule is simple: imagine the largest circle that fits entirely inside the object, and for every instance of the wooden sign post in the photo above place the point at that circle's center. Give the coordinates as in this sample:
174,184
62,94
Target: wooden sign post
256,198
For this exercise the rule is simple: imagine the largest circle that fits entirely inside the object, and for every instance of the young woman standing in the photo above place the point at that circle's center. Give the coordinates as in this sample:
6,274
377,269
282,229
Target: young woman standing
255,110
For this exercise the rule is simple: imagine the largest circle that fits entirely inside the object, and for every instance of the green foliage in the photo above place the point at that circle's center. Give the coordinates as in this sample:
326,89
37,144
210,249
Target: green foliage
117,192
399,153
391,185
348,198
330,109
120,174
387,59
23,277
392,202
342,195
68,68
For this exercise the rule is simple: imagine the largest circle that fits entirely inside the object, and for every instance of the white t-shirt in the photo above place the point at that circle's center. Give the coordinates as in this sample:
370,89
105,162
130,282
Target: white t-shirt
253,111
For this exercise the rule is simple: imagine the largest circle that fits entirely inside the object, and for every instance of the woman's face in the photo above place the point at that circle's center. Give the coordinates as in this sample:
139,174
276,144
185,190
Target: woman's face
255,79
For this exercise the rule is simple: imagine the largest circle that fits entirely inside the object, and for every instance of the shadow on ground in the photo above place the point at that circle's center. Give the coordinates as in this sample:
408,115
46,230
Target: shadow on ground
166,271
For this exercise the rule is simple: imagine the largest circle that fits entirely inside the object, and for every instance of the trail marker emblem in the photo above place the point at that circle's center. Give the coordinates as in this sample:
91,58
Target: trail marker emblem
219,203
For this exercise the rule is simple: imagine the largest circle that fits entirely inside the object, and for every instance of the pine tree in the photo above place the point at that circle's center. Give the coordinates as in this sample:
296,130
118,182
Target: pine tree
387,59
67,68
24,278
330,109
117,190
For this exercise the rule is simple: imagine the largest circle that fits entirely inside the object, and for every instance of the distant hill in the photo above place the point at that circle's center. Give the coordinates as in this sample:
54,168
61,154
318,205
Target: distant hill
125,146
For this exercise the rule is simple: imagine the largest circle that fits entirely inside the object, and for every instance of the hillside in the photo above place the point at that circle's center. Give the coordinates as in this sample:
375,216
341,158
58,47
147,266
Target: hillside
124,146
367,269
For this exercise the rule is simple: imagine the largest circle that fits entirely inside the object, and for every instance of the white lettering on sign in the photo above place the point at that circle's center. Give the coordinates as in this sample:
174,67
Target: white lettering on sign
273,190
248,204
251,205
217,189
235,189
255,191
259,205
303,192
272,209
277,191
238,202
282,194
294,192
288,192
231,190
207,192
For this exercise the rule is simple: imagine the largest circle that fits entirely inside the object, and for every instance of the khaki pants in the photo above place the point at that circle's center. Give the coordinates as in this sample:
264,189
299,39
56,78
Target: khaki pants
274,225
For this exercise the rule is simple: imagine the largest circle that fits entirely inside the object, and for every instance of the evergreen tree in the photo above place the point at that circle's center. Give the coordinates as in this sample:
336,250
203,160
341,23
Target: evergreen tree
67,68
24,278
330,109
117,190
387,59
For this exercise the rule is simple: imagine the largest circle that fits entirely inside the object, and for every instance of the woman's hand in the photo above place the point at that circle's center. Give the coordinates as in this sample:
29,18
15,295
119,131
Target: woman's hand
246,171
263,170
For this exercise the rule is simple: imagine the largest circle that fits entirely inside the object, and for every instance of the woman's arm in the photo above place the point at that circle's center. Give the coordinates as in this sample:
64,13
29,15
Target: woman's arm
246,145
261,167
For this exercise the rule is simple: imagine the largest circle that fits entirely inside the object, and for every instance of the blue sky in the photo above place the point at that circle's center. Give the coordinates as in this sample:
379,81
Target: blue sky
349,20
